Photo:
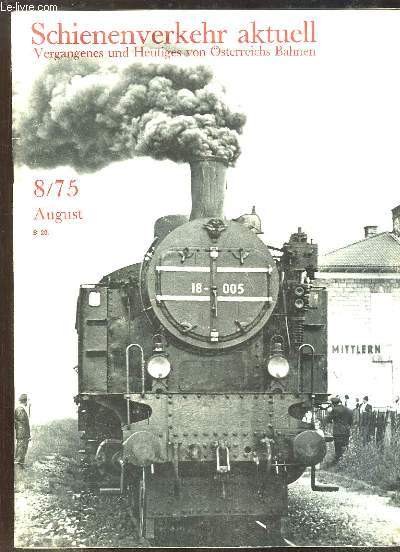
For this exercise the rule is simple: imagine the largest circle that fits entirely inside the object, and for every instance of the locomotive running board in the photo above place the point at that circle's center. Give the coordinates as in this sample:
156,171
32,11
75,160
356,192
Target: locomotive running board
321,488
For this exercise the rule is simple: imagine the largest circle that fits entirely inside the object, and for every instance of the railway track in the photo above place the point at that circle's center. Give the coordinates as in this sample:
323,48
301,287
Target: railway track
58,508
208,533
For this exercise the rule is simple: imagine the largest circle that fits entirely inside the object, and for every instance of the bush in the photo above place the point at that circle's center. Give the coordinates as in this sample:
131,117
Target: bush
56,437
377,465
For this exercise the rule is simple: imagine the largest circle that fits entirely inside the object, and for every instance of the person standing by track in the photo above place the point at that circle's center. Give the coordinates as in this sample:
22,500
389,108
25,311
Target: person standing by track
342,419
22,430
365,420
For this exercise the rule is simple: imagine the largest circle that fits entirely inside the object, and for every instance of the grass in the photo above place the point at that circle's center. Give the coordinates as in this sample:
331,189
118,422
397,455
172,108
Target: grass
374,464
395,498
57,437
52,460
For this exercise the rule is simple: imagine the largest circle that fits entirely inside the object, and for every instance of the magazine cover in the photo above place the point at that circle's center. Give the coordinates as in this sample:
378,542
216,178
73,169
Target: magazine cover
207,278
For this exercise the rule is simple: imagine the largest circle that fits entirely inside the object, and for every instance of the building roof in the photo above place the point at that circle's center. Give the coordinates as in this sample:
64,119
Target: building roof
379,253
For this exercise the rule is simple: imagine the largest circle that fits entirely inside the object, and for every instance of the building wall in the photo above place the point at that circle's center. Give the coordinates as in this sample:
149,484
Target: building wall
363,335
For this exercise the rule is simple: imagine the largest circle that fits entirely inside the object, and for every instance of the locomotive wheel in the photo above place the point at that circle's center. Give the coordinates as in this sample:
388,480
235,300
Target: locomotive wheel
100,465
88,466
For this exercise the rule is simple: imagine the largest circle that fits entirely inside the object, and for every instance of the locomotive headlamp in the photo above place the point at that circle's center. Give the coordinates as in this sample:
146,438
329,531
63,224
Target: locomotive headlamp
301,294
299,303
158,366
278,366
299,291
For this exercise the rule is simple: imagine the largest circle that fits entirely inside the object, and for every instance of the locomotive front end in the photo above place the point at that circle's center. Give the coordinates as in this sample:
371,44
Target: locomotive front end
213,366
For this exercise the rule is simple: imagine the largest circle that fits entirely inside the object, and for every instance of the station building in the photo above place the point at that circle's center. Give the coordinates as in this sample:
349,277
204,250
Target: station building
363,282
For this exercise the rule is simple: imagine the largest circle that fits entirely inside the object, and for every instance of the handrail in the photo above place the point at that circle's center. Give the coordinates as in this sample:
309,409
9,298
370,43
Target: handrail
300,372
128,414
300,367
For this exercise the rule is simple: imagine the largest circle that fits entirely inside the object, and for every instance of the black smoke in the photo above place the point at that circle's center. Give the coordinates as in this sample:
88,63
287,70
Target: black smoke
86,117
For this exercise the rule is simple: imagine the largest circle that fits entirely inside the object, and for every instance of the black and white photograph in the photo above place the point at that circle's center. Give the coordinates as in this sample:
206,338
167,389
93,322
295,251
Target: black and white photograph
206,234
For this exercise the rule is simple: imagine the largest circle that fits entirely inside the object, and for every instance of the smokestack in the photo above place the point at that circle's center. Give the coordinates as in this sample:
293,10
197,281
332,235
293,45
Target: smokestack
370,231
208,178
396,220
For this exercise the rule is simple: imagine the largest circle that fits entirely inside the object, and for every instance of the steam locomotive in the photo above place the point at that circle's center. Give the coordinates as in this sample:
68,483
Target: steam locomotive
202,367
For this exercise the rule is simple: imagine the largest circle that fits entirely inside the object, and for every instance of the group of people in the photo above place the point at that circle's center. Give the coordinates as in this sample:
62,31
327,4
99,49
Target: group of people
343,418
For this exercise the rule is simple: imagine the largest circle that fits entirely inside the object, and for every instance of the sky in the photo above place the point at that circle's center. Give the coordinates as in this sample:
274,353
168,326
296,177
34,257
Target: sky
319,150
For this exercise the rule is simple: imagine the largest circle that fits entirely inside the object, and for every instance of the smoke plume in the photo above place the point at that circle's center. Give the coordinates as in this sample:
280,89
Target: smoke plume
86,116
